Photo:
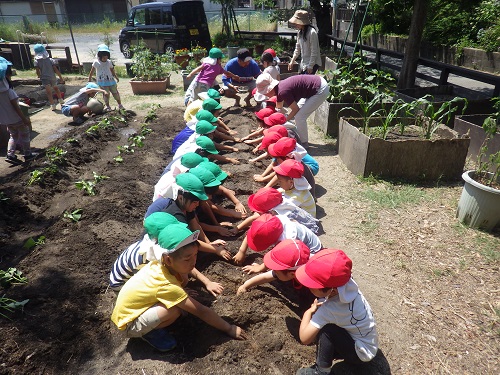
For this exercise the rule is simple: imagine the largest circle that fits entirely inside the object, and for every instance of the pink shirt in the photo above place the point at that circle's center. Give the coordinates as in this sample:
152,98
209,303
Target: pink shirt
209,73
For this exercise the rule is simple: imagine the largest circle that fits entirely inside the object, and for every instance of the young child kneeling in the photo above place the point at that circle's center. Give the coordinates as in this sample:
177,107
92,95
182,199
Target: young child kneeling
154,297
343,322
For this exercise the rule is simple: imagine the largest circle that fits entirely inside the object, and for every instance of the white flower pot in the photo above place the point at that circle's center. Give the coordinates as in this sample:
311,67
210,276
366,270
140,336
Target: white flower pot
479,205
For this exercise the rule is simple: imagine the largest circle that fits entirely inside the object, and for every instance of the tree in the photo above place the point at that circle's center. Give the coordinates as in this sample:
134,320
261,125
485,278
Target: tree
229,22
410,61
321,9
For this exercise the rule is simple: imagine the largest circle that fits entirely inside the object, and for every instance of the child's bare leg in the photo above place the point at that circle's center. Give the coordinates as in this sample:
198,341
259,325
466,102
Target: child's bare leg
167,316
230,93
116,95
58,92
48,91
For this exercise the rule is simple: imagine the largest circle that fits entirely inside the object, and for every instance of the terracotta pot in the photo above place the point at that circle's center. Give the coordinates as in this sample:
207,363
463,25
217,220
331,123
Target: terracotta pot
198,56
150,87
182,61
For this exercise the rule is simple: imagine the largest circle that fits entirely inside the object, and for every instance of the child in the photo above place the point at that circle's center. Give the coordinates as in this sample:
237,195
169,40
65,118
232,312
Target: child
105,75
208,146
282,261
135,256
276,59
18,125
193,108
207,72
261,115
267,230
269,64
294,186
181,201
270,200
46,69
76,105
343,324
154,298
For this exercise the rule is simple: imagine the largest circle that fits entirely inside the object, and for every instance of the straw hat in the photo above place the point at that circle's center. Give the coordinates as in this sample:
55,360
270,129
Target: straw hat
301,17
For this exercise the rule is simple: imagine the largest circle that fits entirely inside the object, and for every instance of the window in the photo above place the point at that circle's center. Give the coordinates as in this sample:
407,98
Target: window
140,17
154,16
167,17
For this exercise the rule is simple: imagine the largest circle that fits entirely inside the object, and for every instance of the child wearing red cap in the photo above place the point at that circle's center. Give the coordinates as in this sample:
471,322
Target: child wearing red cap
343,324
282,261
294,186
268,230
270,200
261,115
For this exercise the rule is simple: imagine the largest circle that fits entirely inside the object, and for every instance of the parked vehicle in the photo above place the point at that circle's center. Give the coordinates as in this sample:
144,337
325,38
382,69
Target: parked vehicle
166,26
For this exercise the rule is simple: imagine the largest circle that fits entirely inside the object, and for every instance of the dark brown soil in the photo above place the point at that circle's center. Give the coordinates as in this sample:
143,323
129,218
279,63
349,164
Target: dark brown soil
66,328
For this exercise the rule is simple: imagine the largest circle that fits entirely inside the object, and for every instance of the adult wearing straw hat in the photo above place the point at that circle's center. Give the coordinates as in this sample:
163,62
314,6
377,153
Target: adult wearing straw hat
307,45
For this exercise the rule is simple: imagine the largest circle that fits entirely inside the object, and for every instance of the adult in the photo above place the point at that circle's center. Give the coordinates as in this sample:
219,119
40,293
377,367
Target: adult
312,88
307,45
246,70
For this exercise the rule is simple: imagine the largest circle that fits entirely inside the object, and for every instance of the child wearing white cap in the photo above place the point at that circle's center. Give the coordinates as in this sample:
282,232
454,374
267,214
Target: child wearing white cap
46,69
154,298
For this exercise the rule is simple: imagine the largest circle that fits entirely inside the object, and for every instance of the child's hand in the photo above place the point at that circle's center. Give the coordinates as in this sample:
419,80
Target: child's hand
256,149
240,208
253,268
232,132
236,333
242,289
234,161
117,79
239,258
214,288
225,232
315,305
258,178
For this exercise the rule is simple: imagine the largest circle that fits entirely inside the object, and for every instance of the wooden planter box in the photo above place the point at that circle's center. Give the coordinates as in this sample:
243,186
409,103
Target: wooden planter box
473,125
150,87
412,159
477,103
327,116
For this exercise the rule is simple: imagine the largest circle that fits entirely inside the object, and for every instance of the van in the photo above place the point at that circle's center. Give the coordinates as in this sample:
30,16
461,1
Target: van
166,27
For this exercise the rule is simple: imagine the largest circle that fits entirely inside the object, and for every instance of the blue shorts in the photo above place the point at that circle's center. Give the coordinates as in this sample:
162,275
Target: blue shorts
66,110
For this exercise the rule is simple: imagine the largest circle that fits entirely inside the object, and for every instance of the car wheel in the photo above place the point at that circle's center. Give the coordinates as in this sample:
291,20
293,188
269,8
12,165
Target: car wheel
127,52
168,48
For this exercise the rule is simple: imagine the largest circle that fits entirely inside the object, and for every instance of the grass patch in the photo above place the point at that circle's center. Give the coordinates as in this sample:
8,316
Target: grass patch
387,195
489,248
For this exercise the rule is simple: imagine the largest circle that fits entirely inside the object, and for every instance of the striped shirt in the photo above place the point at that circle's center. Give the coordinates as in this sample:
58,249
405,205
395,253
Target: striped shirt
302,199
128,263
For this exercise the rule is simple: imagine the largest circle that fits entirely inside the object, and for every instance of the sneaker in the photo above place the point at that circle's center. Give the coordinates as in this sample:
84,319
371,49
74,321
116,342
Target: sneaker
78,121
12,158
30,156
313,370
160,339
53,106
61,101
107,109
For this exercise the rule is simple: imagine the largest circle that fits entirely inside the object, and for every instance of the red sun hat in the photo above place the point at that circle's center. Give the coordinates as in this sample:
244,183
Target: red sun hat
264,200
269,140
290,168
275,119
280,129
287,255
264,232
264,112
282,147
272,99
271,51
329,268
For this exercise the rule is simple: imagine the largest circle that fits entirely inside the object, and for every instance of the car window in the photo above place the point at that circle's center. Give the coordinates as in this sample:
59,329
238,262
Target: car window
140,17
154,16
167,17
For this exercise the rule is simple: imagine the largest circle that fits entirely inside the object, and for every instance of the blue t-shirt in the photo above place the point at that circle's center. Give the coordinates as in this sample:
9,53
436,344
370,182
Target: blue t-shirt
252,70
170,207
180,138
311,163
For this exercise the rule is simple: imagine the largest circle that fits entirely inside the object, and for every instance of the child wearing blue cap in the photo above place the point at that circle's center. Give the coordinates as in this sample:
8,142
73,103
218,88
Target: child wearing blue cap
76,105
105,75
46,69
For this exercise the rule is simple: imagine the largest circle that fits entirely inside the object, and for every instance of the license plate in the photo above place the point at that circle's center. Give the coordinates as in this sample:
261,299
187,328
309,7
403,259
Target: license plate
194,32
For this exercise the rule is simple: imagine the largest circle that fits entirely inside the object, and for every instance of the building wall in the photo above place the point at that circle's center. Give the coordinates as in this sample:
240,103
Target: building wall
12,11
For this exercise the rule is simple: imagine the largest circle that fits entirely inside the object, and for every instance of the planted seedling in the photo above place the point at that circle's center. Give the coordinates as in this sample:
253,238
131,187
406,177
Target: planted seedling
136,140
72,140
106,124
11,276
118,159
145,130
75,215
92,130
125,149
36,176
55,155
87,186
10,305
30,242
98,178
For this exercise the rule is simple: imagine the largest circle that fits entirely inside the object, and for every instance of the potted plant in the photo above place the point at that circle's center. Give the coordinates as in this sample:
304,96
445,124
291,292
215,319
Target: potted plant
198,53
152,71
181,57
400,144
473,126
479,205
185,72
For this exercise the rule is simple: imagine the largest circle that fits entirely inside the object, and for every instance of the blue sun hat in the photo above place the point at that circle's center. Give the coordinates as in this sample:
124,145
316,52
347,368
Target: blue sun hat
92,85
39,48
4,64
103,48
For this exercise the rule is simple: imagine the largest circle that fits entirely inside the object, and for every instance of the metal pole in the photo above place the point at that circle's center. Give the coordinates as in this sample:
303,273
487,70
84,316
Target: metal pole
19,46
80,68
348,31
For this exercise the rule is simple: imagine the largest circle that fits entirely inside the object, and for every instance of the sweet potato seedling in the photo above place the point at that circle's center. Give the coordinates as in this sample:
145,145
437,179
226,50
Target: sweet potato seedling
11,276
75,215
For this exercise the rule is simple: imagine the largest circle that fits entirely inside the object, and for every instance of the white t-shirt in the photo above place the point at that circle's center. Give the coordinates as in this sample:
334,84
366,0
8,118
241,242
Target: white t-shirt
8,115
350,310
293,230
104,77
273,71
